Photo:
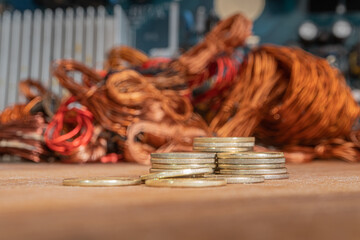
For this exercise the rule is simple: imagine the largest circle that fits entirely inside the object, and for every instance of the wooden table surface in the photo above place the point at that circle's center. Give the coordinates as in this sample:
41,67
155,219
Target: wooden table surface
321,200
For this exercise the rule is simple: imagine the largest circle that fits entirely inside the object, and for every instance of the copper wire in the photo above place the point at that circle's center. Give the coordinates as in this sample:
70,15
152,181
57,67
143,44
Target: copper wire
18,111
287,97
26,88
40,96
118,57
176,137
226,35
91,152
121,101
24,138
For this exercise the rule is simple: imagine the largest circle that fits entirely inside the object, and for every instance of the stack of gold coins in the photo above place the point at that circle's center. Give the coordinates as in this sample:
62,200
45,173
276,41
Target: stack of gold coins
270,165
165,162
223,144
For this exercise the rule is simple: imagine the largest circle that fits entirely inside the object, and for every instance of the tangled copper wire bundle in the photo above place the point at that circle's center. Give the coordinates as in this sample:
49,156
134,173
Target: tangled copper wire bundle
72,135
162,136
24,138
118,57
124,99
76,136
283,96
19,111
226,35
127,97
287,97
190,67
28,86
95,150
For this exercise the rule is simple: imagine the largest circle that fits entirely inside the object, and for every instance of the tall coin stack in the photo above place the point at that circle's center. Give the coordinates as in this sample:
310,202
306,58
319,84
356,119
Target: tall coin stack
270,165
182,169
223,145
216,161
235,158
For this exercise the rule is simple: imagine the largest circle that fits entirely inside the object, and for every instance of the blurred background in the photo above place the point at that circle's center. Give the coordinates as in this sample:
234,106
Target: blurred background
35,32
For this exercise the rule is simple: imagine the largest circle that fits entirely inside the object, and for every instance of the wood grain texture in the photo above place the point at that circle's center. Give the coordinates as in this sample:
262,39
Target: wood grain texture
319,201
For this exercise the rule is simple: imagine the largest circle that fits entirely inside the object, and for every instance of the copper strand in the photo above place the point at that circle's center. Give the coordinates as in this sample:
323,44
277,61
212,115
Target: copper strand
285,97
24,138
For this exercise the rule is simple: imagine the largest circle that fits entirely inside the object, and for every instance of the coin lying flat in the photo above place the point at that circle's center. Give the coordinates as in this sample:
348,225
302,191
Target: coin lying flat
182,155
223,149
156,170
233,179
276,176
182,166
183,160
251,166
254,171
176,173
226,144
250,161
252,155
186,182
101,181
224,139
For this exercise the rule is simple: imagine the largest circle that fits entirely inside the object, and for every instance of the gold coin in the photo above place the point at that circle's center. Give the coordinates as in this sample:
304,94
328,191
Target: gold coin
229,144
233,179
254,171
276,176
224,139
251,155
248,166
155,170
223,149
186,182
182,166
101,181
182,155
177,173
250,161
183,160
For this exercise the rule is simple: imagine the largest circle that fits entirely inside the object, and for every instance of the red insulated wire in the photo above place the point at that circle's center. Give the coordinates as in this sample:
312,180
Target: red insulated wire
226,72
155,62
231,70
80,135
220,71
